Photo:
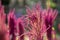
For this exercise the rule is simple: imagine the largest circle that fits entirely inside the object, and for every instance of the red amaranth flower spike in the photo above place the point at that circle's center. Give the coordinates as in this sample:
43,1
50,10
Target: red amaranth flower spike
4,34
12,24
49,19
20,28
41,21
36,22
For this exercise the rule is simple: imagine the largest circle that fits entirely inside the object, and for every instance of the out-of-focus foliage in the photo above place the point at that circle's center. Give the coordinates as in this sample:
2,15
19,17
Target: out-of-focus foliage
51,4
5,2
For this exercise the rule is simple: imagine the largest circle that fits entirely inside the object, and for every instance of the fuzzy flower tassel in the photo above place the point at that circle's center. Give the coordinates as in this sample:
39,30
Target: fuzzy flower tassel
41,21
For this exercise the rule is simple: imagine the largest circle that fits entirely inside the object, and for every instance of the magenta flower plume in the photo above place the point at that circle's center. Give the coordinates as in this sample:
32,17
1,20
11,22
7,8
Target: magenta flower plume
15,26
41,21
36,20
49,19
12,24
4,34
20,28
